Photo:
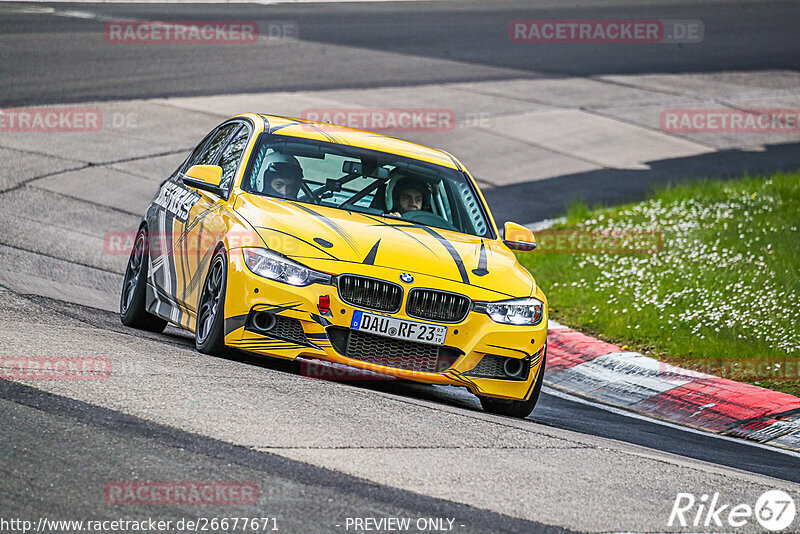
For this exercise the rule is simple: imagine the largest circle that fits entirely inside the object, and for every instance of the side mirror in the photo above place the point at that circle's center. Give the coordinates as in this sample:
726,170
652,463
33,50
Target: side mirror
517,237
205,177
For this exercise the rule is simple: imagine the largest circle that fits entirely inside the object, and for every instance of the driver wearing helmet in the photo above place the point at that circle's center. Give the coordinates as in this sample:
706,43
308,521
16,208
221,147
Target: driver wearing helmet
281,176
410,194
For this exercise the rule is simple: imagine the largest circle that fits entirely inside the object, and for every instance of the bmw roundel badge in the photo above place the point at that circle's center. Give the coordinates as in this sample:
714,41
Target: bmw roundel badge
406,278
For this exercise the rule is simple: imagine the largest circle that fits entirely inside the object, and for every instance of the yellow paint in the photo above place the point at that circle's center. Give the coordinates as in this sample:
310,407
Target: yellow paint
245,219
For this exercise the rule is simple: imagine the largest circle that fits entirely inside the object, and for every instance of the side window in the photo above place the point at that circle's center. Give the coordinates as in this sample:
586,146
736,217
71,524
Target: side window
232,155
216,144
197,152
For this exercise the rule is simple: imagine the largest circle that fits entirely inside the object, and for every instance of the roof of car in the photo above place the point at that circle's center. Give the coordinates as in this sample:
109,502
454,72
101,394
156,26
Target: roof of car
333,133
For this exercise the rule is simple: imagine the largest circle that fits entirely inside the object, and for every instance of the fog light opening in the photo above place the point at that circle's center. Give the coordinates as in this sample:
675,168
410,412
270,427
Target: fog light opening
263,321
513,367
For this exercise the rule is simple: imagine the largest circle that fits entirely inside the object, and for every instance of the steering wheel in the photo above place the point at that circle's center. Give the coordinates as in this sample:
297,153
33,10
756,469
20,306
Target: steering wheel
429,219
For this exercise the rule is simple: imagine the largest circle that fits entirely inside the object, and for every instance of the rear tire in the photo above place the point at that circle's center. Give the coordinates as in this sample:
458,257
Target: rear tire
209,332
517,408
132,306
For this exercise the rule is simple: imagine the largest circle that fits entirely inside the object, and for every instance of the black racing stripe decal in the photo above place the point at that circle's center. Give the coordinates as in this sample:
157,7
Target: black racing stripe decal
271,348
180,248
189,225
199,272
312,126
539,356
332,138
275,129
399,227
235,323
482,263
453,253
317,336
329,136
458,377
320,320
370,259
273,343
276,308
199,261
299,239
267,344
542,351
530,389
511,349
172,267
190,282
333,225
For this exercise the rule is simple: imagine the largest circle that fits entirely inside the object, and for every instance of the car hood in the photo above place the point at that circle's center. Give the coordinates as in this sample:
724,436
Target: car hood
319,237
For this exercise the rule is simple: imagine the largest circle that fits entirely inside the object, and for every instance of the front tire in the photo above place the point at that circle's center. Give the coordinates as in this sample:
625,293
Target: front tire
132,306
209,333
517,408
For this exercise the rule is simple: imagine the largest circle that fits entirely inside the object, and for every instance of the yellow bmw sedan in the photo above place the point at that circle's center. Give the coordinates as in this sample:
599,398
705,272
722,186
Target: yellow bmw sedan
296,239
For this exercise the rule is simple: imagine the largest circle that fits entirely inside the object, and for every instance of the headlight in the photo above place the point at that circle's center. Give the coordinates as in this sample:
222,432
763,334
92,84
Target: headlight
275,267
527,312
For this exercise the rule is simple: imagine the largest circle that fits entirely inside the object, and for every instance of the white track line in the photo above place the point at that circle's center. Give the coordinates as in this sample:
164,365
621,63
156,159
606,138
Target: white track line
625,413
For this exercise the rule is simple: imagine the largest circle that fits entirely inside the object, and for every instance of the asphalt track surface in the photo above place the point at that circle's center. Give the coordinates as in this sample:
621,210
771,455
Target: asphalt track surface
58,59
61,59
59,447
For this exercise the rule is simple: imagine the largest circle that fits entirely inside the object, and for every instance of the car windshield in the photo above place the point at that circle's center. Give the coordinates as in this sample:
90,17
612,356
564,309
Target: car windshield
366,181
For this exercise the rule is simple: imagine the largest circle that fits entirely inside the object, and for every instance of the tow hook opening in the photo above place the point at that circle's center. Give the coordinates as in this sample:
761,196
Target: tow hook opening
513,368
263,321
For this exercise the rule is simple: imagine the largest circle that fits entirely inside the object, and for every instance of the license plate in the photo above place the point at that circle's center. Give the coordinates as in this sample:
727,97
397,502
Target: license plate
383,325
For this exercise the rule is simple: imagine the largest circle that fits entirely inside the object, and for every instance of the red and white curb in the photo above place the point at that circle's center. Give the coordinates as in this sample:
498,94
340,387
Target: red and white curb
588,367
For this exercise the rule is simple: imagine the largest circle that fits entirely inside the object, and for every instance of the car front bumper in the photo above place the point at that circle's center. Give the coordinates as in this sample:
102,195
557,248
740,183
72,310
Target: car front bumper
467,342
